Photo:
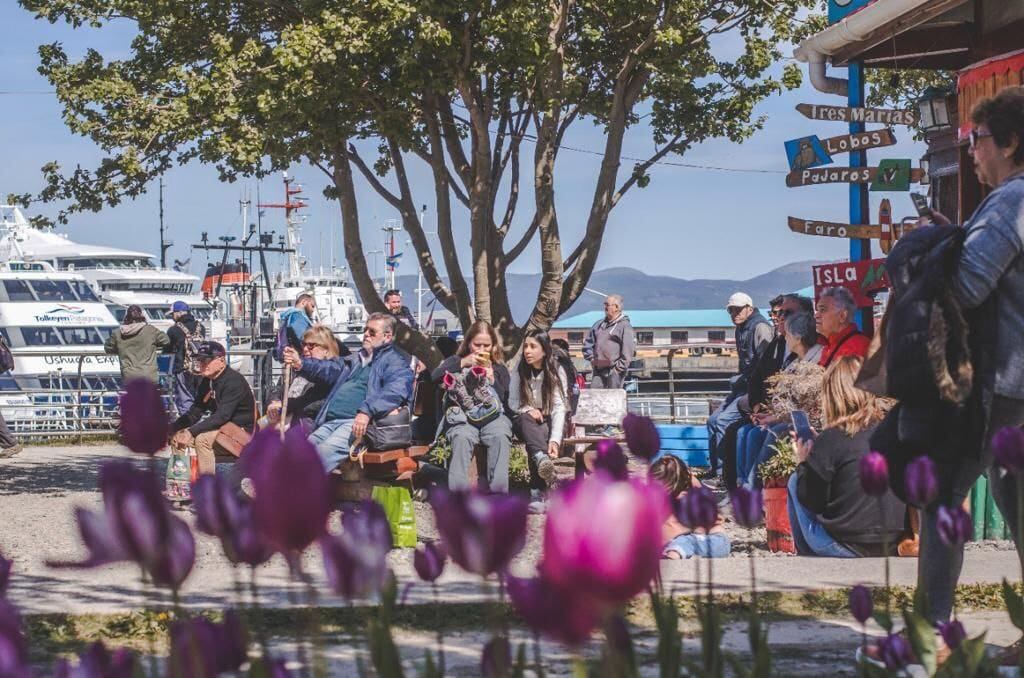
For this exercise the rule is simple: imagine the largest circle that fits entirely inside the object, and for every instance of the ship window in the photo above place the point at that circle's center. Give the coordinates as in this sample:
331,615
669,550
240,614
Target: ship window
7,338
9,384
104,332
83,290
154,313
40,336
53,290
119,312
201,313
79,336
18,290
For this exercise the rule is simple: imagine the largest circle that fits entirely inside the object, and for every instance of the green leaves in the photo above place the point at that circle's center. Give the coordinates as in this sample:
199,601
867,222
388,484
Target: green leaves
1014,604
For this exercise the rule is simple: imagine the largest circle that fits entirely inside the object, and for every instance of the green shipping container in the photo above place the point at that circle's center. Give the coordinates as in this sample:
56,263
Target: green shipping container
995,527
978,493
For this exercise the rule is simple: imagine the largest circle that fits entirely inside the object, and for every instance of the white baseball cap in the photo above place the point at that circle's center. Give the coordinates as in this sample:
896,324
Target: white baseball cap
739,300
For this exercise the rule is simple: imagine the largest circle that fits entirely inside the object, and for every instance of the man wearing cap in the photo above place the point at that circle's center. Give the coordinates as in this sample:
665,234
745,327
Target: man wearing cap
753,334
185,327
223,397
610,346
368,385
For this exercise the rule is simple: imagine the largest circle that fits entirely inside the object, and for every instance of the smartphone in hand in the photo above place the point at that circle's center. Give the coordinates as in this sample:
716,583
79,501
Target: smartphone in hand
921,205
802,425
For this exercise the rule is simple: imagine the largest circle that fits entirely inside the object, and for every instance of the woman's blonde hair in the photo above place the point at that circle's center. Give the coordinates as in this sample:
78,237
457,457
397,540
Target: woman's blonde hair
845,406
322,335
481,327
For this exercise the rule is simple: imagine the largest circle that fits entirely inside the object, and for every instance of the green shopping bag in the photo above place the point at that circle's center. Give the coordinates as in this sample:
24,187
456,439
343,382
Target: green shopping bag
397,504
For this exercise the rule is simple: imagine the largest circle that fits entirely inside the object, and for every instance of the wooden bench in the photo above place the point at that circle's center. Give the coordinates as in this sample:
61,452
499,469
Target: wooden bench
597,408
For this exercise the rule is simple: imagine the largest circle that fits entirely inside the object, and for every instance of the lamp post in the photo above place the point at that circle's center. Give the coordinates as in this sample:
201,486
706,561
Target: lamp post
937,106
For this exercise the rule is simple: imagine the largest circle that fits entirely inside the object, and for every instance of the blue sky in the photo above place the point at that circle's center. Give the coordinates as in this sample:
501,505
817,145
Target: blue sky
688,223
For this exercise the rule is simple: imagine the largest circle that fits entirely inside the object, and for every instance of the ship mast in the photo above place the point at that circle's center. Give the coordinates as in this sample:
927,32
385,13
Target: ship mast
292,222
164,244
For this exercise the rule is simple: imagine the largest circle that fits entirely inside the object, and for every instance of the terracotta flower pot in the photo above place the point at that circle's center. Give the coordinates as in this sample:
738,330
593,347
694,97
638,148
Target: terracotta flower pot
776,517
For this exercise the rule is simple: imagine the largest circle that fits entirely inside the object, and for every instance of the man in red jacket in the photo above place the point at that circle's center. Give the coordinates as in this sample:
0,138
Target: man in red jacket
834,318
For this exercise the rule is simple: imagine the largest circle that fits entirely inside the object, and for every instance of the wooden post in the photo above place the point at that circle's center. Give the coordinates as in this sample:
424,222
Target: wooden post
859,204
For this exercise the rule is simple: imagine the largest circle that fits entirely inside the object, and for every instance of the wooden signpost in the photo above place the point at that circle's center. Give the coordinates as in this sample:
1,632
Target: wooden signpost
841,175
858,142
837,229
885,221
884,116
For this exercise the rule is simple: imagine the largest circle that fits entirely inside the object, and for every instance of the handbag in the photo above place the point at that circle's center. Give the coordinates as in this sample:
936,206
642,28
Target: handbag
390,432
233,438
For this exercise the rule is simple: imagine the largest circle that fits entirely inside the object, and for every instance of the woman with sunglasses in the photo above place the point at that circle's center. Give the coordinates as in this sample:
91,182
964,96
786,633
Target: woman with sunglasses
990,270
306,397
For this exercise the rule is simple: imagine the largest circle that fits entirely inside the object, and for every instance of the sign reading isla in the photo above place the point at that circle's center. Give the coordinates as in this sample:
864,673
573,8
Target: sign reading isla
849,175
862,278
884,116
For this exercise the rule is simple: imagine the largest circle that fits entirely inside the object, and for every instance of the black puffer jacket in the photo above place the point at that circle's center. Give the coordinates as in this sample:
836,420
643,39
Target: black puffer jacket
933,350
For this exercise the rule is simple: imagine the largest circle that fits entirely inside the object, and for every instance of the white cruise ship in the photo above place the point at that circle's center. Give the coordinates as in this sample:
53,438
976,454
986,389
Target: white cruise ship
119,277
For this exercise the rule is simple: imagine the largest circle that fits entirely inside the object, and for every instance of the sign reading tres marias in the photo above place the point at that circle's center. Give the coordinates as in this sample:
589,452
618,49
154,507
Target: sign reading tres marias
884,116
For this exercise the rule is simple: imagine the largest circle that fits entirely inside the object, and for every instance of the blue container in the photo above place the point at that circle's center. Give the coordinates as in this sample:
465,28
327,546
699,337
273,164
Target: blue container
687,442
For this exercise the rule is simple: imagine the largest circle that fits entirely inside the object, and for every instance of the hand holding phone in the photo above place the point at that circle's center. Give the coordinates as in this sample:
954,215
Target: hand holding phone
802,425
921,205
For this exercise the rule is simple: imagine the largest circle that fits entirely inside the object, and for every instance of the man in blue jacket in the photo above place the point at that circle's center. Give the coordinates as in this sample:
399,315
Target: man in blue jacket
367,386
296,320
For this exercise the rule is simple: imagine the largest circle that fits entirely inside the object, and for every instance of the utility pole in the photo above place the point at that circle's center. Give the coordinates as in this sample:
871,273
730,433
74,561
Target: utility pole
390,228
164,245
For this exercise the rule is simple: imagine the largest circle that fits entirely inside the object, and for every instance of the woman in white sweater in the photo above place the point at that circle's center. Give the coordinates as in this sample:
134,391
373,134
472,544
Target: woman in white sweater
538,403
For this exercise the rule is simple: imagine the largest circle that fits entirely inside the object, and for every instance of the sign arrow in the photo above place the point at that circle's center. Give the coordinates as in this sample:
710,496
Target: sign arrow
834,229
884,116
846,143
841,175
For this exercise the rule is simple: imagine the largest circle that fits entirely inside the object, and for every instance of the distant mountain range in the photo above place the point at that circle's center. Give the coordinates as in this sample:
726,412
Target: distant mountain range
648,292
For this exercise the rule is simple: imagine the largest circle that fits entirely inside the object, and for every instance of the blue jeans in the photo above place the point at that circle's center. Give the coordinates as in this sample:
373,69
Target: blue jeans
749,441
714,545
719,420
766,452
810,538
333,440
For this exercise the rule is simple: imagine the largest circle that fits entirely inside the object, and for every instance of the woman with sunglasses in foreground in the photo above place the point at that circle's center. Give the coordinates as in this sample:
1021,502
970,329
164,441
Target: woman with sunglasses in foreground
305,397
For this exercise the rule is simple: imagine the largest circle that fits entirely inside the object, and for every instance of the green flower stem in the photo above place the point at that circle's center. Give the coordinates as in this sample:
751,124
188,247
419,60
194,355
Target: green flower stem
885,552
254,603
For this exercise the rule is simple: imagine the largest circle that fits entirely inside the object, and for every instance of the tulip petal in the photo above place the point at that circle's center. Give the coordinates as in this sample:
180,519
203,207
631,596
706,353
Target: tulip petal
611,459
144,423
553,611
641,436
429,561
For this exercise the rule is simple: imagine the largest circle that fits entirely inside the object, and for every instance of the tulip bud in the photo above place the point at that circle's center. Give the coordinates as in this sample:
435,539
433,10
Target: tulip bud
144,424
952,633
612,459
920,482
747,506
895,651
481,532
874,474
954,525
699,509
860,603
429,561
1008,448
641,436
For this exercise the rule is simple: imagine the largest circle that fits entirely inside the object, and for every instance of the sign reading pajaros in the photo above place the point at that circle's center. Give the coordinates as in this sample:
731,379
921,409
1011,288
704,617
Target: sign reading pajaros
841,175
883,116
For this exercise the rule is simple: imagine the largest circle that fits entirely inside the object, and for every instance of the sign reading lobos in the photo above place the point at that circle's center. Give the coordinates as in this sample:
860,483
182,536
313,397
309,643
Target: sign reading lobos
833,229
884,116
840,175
861,141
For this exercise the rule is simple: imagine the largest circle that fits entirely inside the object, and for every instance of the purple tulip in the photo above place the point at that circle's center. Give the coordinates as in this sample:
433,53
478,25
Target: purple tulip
1008,448
221,512
861,605
135,526
496,659
611,459
554,611
894,650
144,424
642,437
98,662
698,509
747,507
953,633
203,649
293,498
612,560
920,482
429,561
954,525
874,474
482,532
5,575
356,560
13,648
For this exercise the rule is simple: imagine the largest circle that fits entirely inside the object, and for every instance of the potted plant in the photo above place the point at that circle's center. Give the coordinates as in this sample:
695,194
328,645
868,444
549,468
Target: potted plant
775,473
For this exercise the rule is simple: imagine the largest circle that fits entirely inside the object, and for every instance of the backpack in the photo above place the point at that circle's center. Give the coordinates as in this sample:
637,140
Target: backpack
6,357
192,342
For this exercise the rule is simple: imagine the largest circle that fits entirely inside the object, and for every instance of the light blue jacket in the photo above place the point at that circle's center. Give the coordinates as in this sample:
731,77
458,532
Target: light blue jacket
991,262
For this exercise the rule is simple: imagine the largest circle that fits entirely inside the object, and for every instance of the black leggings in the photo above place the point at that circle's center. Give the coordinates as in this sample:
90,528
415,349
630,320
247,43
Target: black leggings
535,436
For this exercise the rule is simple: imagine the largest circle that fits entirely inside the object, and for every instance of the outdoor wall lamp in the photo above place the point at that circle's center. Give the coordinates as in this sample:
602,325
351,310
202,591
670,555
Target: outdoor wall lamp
938,108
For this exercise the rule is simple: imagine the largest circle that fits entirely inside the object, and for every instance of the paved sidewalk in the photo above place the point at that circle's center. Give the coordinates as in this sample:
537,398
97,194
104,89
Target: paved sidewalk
40,488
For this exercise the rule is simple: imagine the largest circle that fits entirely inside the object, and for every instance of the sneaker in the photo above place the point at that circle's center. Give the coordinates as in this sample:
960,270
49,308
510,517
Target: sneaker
10,451
546,470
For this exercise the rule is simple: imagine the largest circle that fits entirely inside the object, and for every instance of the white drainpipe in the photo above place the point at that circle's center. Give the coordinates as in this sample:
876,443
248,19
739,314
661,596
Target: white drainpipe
816,49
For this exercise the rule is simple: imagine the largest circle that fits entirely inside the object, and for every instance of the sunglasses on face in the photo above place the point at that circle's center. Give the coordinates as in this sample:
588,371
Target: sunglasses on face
976,135
310,345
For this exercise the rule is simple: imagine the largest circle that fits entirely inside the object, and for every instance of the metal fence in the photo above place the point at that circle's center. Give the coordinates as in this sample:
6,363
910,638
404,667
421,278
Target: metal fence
80,404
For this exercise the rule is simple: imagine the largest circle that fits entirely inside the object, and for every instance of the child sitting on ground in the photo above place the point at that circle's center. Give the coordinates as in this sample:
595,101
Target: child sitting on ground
680,541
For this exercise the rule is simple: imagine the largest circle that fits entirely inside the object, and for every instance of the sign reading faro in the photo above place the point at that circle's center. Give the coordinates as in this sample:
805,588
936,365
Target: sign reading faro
837,9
